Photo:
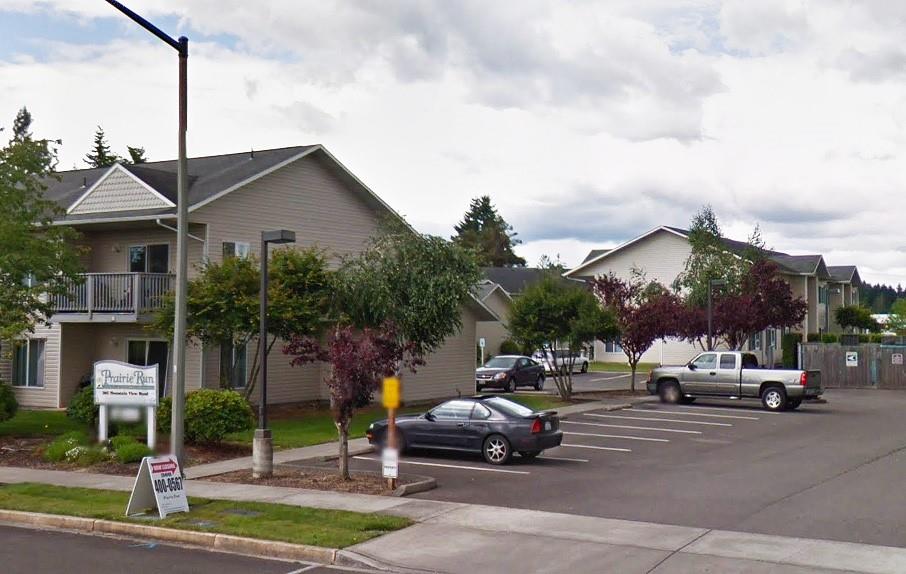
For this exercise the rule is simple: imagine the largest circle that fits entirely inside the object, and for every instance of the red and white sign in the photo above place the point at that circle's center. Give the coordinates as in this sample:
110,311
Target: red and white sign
159,484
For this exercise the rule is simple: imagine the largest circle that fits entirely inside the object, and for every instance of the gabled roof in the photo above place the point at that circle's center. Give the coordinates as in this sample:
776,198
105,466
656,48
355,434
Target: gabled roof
790,264
844,274
486,288
514,280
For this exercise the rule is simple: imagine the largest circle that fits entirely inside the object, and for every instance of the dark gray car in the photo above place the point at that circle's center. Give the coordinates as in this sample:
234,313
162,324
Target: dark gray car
508,372
492,425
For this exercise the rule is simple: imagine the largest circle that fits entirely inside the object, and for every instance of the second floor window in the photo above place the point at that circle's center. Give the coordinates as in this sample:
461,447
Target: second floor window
149,258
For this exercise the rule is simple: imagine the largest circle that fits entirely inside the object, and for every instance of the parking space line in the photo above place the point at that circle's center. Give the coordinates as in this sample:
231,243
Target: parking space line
725,409
632,427
649,439
708,423
457,466
597,447
684,413
544,456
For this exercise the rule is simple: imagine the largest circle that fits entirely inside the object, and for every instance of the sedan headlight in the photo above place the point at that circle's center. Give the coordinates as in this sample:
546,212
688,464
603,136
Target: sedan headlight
499,376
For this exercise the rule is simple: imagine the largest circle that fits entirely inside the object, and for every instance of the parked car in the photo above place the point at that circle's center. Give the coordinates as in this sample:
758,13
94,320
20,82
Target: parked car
492,425
546,358
734,375
508,372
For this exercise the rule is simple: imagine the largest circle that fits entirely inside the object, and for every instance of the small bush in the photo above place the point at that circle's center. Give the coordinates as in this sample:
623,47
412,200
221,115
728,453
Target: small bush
877,338
132,452
829,338
164,408
863,338
8,403
211,415
788,343
510,347
82,407
814,338
58,450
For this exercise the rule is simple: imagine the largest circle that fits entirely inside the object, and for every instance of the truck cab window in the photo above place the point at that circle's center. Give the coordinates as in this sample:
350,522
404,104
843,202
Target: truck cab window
749,361
706,361
728,361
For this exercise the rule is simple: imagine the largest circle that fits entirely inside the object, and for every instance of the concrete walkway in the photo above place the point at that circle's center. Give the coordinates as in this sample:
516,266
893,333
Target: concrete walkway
454,537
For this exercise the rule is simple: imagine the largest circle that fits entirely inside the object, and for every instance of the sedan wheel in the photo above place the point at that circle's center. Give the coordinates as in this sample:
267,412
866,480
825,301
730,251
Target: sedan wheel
509,386
539,383
584,367
496,449
774,399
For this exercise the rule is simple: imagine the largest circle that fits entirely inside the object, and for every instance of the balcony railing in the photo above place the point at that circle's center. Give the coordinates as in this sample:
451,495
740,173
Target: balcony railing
115,293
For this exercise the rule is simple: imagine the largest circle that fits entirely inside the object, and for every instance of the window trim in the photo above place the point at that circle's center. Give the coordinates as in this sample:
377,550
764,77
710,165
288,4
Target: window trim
41,361
246,245
245,375
145,246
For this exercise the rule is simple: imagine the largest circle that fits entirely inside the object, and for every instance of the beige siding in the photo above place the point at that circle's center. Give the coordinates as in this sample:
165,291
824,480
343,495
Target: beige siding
76,357
45,397
119,192
449,371
494,333
109,250
304,197
662,256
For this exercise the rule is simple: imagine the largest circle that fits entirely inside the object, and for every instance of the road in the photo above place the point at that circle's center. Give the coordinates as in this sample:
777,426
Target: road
27,551
828,471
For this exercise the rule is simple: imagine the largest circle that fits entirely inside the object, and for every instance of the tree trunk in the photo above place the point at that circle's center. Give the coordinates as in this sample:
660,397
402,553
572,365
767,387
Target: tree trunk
633,366
256,367
343,461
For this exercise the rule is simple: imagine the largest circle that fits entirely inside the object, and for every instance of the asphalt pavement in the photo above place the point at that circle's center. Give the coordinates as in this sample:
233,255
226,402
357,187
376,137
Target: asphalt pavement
30,551
826,471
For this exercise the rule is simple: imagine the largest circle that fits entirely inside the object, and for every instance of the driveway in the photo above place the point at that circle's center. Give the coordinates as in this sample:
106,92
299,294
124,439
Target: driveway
828,471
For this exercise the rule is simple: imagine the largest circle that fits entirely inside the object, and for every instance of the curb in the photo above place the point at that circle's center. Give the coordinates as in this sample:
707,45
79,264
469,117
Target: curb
415,487
210,540
330,457
353,559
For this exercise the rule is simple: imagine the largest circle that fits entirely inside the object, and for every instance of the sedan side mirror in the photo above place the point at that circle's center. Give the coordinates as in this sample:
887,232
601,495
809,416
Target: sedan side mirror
429,416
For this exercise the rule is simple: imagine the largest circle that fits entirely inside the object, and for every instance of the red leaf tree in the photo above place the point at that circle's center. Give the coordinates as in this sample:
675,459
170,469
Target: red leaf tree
645,312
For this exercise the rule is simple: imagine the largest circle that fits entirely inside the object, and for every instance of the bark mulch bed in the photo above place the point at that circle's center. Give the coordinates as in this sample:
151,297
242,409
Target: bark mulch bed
315,478
27,452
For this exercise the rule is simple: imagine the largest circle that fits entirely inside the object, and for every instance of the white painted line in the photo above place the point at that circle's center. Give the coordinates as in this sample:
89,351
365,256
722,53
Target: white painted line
618,436
544,456
660,420
684,413
457,466
596,447
631,427
725,409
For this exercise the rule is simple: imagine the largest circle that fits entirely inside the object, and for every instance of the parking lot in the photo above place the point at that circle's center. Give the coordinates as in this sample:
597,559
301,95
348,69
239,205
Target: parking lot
824,471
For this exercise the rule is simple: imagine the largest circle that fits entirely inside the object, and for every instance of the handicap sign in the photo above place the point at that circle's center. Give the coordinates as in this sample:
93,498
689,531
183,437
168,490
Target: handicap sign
896,359
852,359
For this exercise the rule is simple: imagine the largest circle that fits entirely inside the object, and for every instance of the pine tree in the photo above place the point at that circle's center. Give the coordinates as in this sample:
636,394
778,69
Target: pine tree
100,155
136,154
21,125
484,231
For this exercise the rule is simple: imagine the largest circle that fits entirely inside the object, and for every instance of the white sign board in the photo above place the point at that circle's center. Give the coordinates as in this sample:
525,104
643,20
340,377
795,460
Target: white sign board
117,383
852,359
159,484
390,463
896,359
481,342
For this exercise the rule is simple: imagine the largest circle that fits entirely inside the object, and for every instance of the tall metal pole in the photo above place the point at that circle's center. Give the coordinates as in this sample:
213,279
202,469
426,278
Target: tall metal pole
262,443
710,345
177,447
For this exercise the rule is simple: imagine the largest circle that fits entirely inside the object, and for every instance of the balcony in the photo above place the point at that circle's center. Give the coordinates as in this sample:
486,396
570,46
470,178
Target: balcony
112,297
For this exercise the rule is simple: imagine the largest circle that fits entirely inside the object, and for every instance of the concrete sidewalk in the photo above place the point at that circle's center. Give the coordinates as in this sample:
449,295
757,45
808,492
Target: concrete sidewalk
454,537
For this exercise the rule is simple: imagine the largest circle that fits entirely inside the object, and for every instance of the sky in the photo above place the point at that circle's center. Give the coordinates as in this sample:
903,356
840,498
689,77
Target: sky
587,122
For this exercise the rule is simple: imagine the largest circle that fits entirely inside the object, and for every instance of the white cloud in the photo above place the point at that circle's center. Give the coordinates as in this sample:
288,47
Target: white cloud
587,122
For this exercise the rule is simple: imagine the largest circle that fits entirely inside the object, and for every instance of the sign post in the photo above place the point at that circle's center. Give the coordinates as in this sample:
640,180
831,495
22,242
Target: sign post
120,384
390,456
481,345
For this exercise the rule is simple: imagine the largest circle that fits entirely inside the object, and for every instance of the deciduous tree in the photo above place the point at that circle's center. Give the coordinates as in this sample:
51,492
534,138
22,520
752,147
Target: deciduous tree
856,317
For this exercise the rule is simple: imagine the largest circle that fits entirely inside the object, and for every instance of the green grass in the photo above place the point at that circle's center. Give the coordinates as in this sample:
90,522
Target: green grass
598,367
39,423
538,402
297,525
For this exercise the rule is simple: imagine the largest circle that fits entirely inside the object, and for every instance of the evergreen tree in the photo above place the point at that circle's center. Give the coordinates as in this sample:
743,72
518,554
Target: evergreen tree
136,154
100,155
22,125
488,235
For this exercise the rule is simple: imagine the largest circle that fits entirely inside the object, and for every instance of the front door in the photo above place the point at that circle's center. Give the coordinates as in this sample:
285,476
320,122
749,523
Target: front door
702,378
449,426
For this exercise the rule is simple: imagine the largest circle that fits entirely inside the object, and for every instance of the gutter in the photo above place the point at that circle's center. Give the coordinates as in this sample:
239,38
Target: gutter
174,230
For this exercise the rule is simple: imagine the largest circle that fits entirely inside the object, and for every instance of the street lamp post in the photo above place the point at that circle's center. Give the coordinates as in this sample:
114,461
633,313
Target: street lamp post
263,444
182,231
711,284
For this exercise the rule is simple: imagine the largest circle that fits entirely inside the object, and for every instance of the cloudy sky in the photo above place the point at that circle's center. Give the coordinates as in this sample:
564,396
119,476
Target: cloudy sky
587,122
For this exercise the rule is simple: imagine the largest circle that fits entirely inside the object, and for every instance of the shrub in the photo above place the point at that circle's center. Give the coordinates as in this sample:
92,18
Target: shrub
510,347
8,403
814,338
82,407
877,338
211,415
788,343
164,408
132,452
57,450
863,338
829,338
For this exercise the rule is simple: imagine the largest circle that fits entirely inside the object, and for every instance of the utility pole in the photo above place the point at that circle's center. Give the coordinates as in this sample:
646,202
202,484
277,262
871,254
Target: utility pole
182,231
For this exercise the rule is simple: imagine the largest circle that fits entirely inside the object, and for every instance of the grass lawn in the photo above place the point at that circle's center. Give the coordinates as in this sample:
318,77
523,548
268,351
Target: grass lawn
39,423
598,367
317,527
538,402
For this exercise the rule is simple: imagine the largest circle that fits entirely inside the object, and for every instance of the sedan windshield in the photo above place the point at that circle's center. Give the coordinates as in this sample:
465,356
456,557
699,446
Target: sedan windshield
508,407
501,363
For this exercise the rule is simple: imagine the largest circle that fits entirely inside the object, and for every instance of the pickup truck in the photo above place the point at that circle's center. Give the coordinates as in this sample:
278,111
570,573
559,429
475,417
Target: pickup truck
734,375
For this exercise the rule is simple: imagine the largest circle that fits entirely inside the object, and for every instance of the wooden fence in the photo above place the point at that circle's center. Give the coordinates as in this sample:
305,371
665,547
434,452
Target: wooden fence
865,366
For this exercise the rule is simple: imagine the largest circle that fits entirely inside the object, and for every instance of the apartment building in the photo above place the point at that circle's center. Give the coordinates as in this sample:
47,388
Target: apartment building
126,215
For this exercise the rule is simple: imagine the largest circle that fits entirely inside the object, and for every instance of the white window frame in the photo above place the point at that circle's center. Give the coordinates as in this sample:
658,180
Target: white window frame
241,249
757,339
245,375
772,338
41,361
145,246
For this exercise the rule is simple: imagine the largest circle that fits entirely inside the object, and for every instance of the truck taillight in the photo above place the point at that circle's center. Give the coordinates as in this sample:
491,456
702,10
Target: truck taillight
536,426
803,378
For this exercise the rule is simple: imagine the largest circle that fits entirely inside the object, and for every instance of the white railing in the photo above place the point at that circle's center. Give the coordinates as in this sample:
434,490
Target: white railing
131,293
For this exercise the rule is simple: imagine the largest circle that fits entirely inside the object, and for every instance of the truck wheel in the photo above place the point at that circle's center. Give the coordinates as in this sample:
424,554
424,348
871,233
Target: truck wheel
774,398
670,392
793,404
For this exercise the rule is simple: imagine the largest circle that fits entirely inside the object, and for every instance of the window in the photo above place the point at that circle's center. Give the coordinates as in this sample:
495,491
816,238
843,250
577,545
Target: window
706,361
772,338
233,367
235,249
508,407
149,258
749,361
822,294
728,361
522,363
144,352
755,342
453,410
28,363
481,412
613,346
